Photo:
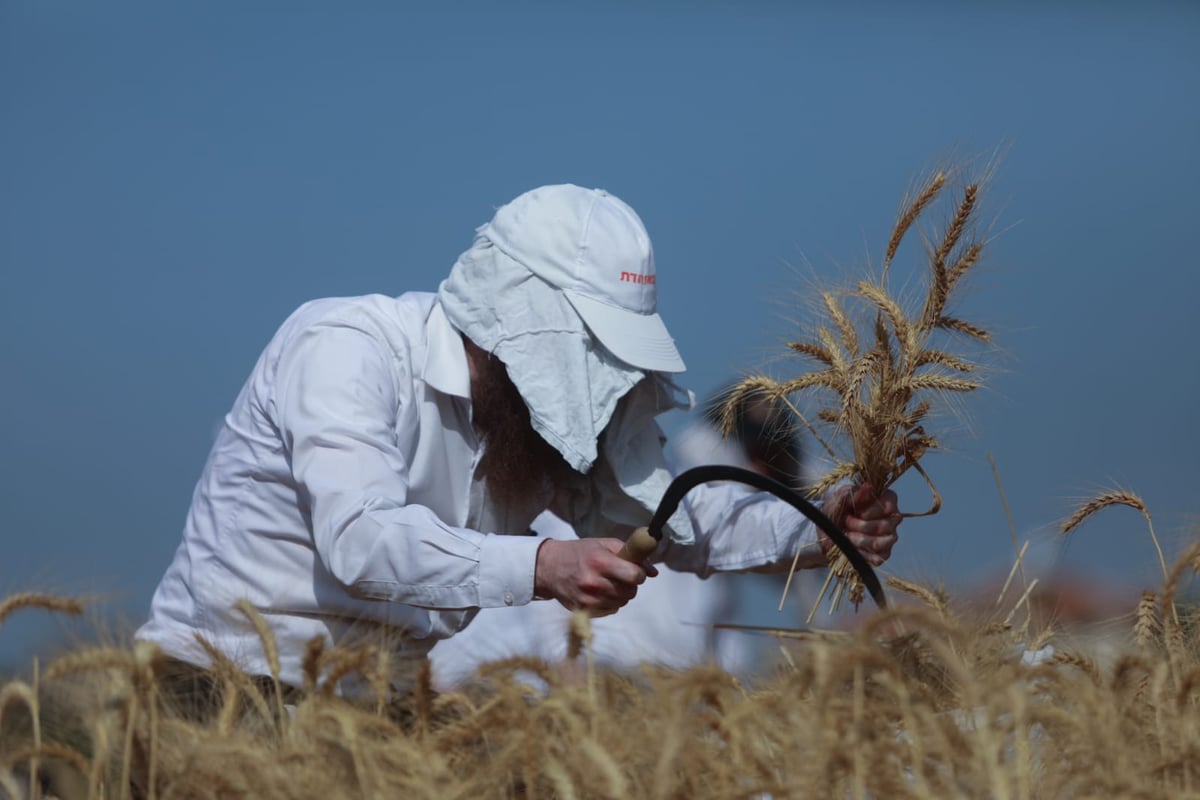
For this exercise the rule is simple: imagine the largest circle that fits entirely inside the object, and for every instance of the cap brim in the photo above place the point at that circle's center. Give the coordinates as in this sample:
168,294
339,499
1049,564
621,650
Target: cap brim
640,340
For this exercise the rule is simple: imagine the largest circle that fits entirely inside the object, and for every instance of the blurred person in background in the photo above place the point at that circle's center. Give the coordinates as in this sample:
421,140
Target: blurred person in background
377,476
766,439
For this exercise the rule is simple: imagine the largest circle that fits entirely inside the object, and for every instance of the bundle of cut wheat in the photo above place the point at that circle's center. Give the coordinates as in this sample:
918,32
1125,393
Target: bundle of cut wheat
881,370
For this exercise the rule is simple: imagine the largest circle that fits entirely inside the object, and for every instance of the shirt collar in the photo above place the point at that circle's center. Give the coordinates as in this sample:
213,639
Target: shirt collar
445,357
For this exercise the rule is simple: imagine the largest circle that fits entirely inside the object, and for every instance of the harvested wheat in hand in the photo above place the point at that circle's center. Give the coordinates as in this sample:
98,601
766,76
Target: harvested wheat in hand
882,368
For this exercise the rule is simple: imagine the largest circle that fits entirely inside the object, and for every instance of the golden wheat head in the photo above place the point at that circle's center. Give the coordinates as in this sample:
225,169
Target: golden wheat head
880,367
49,602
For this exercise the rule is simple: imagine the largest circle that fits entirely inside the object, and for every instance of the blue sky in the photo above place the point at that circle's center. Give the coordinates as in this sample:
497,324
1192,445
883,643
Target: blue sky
175,178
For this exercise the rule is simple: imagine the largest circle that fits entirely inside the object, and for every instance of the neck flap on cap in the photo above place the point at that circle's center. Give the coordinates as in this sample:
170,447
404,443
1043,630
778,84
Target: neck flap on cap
570,384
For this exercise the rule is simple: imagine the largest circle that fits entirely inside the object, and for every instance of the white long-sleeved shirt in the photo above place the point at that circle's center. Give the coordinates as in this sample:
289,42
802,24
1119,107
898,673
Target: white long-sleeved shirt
340,499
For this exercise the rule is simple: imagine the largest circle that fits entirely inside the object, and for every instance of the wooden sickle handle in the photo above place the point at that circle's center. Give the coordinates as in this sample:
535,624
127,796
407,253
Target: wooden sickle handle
639,546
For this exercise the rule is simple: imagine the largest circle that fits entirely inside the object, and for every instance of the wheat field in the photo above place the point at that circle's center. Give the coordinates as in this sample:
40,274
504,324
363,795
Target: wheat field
929,698
921,702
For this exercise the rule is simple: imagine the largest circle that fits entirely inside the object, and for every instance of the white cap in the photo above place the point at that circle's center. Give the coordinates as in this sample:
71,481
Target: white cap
593,248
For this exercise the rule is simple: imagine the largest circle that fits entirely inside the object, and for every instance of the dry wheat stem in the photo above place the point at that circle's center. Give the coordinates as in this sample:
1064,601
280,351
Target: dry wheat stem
1021,600
89,659
1012,528
10,786
47,750
812,612
100,752
1188,560
235,680
17,690
35,711
936,501
1012,573
1111,498
270,649
808,425
314,652
380,679
127,753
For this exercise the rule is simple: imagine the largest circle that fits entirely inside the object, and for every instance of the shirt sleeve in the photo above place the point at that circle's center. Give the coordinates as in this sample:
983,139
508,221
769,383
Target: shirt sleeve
340,396
739,529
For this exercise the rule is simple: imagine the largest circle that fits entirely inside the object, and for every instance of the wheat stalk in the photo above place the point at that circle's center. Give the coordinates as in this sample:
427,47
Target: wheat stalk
1102,501
314,653
343,662
93,659
940,710
270,649
49,602
1116,497
935,600
1078,660
47,750
879,370
1172,629
233,680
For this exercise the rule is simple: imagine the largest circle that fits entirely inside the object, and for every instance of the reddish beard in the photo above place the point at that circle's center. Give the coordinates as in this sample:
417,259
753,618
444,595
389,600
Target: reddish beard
520,467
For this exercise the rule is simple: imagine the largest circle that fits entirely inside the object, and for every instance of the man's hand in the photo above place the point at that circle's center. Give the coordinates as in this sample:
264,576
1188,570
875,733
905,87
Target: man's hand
869,521
587,575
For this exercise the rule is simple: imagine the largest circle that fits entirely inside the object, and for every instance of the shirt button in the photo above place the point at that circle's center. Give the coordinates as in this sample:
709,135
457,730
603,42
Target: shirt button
508,598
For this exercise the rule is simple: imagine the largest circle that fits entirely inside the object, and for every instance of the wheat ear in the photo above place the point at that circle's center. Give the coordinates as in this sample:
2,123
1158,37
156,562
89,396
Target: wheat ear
1146,623
932,598
15,602
910,213
270,649
1115,497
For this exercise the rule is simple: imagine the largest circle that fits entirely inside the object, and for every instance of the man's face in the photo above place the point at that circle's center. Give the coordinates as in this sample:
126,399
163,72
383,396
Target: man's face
521,468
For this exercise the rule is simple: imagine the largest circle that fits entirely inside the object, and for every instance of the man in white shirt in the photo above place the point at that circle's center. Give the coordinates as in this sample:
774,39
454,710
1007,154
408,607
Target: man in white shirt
367,483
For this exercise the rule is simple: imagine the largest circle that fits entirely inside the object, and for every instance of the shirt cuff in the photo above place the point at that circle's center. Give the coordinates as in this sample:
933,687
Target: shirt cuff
806,540
506,565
